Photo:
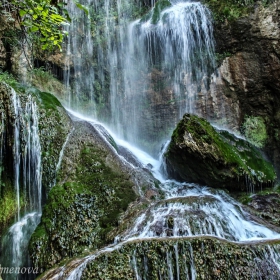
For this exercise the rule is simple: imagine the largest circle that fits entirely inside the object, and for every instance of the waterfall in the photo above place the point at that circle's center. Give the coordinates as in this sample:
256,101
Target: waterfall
142,76
32,176
27,184
138,77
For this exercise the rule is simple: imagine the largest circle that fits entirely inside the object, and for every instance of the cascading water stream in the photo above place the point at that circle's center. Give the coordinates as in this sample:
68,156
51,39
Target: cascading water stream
16,149
28,186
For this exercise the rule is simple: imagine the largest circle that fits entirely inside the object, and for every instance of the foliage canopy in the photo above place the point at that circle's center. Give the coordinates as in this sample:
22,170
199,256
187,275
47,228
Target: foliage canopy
42,18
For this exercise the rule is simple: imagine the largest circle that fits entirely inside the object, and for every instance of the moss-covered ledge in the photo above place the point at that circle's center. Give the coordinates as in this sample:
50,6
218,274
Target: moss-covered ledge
184,258
199,153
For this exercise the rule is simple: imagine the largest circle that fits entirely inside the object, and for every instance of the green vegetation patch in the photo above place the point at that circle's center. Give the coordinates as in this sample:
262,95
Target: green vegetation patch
80,213
49,101
11,80
8,206
254,130
232,9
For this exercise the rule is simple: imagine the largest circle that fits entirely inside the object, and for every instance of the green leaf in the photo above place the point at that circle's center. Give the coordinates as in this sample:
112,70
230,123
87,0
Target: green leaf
34,28
22,13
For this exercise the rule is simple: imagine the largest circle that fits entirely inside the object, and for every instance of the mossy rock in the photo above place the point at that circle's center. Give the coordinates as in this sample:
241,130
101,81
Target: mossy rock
198,153
92,191
185,258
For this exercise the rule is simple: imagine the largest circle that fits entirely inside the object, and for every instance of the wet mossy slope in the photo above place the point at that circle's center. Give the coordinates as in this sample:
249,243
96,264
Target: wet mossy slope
52,134
93,189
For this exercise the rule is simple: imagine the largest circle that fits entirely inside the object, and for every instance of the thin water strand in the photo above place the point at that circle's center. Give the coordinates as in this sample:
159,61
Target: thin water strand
16,149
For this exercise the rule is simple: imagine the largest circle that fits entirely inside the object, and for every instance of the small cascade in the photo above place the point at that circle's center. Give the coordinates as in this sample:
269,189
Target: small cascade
15,247
32,177
16,149
27,184
61,155
198,211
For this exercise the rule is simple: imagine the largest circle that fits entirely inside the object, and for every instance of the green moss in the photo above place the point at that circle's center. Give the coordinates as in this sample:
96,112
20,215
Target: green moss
8,206
232,9
80,213
210,258
12,81
255,130
47,100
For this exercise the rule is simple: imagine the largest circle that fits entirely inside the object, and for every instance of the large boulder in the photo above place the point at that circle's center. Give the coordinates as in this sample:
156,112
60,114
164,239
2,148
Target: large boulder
198,153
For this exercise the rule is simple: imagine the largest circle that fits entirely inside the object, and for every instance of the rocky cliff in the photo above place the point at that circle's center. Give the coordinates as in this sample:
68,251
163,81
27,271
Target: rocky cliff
247,81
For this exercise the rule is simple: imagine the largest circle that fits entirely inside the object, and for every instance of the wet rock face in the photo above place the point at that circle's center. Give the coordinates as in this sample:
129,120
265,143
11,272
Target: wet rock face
3,56
198,153
201,258
250,75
